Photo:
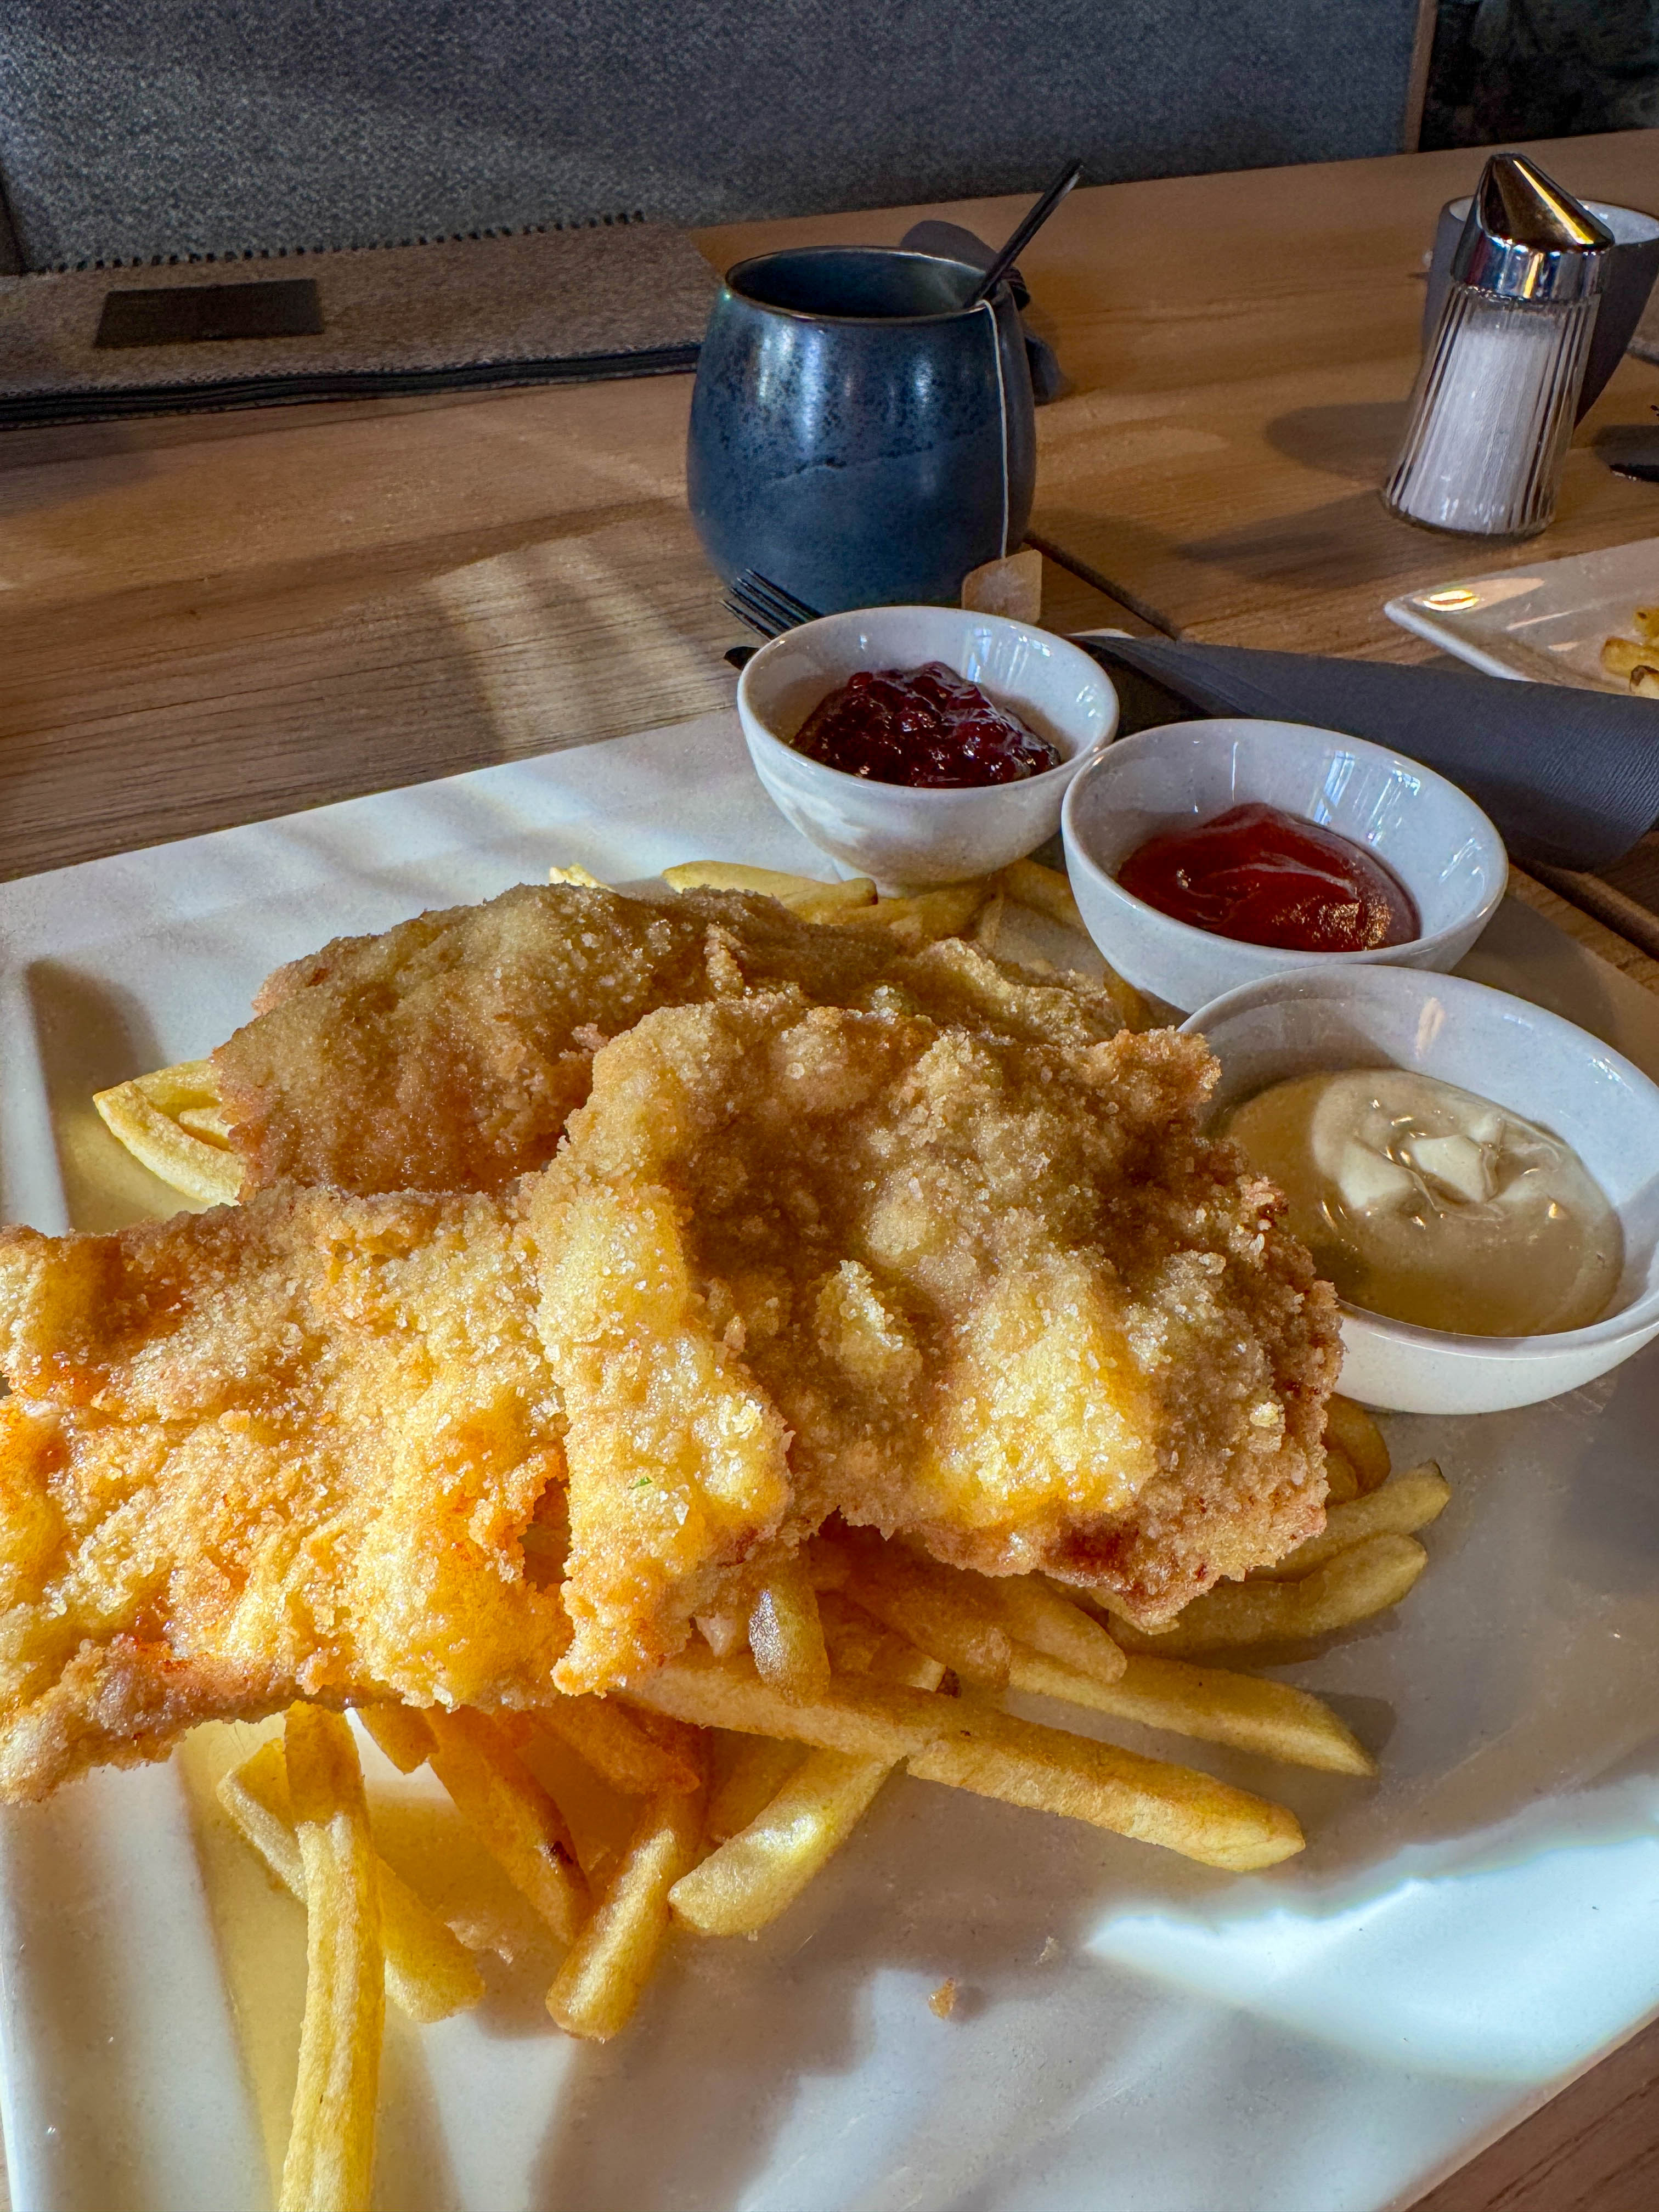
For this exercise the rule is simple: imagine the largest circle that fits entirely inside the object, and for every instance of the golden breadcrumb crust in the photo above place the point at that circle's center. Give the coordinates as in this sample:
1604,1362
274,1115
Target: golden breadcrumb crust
278,1450
996,1295
447,1053
957,1264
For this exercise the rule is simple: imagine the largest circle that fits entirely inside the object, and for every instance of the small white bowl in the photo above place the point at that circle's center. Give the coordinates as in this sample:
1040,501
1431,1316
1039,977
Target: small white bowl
1514,1054
1438,843
887,830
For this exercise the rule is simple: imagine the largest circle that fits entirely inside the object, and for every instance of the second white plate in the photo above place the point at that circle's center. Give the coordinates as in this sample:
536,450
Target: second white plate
1544,622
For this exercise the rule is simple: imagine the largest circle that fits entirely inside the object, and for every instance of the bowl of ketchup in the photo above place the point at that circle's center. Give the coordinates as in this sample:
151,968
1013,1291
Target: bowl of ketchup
1207,855
923,745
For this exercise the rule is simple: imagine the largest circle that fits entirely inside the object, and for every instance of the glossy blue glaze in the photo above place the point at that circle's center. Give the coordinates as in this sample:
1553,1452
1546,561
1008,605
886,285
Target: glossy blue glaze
857,435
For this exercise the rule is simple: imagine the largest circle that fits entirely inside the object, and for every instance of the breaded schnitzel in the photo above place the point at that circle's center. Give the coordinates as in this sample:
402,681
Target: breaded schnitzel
276,1450
992,1291
1005,1298
448,1053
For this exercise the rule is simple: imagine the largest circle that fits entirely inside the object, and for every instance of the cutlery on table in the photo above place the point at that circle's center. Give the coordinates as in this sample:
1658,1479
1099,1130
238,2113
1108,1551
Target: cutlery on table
764,607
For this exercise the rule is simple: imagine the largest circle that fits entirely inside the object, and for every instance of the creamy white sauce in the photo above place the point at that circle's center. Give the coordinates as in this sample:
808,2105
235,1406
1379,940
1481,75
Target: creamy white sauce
1426,1203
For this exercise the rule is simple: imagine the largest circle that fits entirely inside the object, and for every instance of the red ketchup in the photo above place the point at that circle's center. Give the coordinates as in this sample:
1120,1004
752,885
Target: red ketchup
924,727
1267,877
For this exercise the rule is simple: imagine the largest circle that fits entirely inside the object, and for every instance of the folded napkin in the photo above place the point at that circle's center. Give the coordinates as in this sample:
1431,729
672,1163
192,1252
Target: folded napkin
1571,777
951,242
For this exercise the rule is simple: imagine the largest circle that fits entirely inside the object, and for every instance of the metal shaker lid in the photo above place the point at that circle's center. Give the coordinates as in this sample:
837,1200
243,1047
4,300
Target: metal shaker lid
1525,239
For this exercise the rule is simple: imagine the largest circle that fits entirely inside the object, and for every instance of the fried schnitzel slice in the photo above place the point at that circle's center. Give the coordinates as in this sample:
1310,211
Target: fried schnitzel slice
1005,1298
990,1291
446,1053
278,1450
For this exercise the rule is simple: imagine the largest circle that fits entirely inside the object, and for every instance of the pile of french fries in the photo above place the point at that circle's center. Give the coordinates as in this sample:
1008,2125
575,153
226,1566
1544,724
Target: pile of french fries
1636,658
735,1779
714,1790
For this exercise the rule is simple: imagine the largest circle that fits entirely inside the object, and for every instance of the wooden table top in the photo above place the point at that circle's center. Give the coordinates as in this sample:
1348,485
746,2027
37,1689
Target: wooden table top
216,619
1240,350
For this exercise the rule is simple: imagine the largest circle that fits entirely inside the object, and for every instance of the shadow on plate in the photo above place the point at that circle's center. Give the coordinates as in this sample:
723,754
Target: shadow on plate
91,1036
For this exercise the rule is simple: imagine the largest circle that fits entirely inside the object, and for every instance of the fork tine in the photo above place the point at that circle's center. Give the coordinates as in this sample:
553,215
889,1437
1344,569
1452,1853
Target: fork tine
765,592
750,591
799,607
763,625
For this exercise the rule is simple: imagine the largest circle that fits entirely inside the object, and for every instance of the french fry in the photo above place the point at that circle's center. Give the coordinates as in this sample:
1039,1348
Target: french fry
786,1635
1341,1482
145,1115
330,2162
428,1973
575,873
512,1816
605,1969
1620,654
858,1644
1022,1763
1645,622
837,904
925,916
986,927
755,1875
1242,1710
212,1122
758,1872
1045,1620
1405,1504
746,1773
616,1747
968,1744
855,1638
869,1719
401,1733
828,900
1045,891
1358,1435
186,1085
598,1819
1366,1578
941,1611
1645,680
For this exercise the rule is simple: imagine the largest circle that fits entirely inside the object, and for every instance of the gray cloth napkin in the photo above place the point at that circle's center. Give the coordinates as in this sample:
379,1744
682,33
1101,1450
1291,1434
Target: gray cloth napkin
951,242
1571,777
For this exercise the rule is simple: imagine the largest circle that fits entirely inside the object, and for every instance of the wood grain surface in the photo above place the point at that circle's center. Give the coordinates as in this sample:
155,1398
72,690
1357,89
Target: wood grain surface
220,619
1240,350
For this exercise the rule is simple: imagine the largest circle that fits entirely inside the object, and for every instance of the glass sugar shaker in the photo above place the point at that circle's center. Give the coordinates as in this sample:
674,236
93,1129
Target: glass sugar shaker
1494,401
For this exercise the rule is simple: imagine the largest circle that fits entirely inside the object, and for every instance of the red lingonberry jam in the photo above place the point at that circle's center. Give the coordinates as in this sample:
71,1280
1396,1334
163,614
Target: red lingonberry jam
1267,877
925,726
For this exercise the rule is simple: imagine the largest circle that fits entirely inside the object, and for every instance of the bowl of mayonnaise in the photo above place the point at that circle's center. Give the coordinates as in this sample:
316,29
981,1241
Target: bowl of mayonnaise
1478,1178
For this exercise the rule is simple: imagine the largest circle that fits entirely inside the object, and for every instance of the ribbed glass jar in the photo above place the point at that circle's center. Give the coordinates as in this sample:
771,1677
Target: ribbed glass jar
1491,414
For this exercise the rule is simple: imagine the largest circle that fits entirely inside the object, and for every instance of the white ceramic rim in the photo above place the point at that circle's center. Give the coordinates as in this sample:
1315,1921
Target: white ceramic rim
940,796
1482,826
1642,1313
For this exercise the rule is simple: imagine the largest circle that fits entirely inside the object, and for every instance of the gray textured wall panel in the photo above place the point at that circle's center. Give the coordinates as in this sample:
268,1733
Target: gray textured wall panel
133,128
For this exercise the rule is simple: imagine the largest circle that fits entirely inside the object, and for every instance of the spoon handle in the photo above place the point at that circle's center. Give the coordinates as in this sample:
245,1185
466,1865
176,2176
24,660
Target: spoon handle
1026,232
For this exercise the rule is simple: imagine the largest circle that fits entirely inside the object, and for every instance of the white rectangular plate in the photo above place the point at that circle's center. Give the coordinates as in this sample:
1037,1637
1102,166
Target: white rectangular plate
1542,623
1133,2033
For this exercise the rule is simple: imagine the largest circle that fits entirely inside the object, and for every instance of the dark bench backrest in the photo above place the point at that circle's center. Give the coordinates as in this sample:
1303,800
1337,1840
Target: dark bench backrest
130,129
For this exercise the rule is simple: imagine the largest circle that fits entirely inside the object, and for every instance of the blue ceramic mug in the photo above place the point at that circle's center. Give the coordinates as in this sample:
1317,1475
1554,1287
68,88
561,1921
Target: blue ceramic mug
859,434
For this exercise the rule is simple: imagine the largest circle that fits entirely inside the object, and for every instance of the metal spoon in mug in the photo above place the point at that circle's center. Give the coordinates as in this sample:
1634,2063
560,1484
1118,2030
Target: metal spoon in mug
1026,232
